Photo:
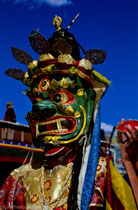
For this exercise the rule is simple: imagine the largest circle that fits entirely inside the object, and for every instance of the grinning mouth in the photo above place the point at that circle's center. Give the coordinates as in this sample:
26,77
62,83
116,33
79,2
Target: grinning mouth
54,151
57,125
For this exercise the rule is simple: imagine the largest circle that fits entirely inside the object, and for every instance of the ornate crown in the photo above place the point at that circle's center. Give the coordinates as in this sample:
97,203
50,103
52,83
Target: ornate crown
58,55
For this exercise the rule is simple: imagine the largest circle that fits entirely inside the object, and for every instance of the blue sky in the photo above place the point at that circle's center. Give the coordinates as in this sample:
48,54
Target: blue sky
110,25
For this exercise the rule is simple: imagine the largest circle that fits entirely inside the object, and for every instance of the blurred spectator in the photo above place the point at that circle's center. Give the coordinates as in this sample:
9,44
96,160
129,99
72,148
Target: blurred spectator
130,140
103,135
10,113
103,141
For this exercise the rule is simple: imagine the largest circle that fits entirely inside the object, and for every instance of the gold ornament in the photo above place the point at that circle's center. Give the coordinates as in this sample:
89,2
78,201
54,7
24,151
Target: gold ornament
28,81
80,92
54,84
51,69
64,83
85,64
55,138
73,70
57,22
47,138
35,91
44,57
38,99
77,114
65,58
26,75
51,138
69,110
72,84
32,65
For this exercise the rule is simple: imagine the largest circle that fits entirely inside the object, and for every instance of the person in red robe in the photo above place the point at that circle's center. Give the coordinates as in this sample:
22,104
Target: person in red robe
10,113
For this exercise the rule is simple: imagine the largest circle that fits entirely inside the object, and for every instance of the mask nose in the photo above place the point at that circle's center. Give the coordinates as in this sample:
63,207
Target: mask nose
44,109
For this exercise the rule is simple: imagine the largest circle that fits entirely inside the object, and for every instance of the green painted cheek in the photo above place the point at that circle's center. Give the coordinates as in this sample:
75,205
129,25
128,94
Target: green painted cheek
89,110
75,107
87,101
88,105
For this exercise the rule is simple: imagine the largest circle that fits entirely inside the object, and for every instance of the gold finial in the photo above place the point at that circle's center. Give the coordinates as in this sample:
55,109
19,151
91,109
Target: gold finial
57,22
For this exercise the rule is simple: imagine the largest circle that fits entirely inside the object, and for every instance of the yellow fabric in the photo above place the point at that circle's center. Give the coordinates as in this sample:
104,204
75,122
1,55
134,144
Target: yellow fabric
100,77
100,84
121,189
108,207
55,184
99,88
21,147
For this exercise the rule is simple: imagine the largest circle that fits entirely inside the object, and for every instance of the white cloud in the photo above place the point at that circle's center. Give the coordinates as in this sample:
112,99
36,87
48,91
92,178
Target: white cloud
106,127
57,3
35,3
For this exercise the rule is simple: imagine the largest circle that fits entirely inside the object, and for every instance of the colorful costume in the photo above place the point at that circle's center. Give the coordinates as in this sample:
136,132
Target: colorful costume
65,123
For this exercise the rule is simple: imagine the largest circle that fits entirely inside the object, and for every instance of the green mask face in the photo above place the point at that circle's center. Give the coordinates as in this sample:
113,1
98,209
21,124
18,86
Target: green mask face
60,88
62,109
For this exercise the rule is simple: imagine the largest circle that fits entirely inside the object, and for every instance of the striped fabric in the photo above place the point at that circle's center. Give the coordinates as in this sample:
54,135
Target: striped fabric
92,165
